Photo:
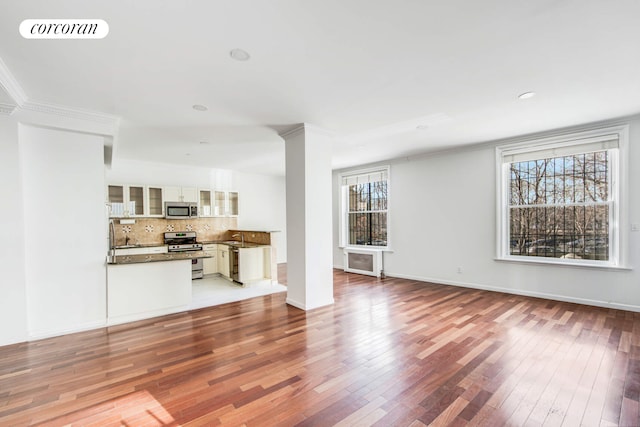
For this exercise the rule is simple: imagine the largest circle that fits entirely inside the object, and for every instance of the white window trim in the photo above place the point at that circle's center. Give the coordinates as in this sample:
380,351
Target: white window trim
342,216
618,223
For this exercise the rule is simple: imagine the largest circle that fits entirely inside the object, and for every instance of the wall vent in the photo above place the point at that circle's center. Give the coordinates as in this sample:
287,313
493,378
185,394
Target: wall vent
363,261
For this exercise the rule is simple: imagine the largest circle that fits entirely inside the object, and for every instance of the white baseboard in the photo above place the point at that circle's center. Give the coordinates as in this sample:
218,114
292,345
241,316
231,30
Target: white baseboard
39,335
555,297
305,307
296,304
119,320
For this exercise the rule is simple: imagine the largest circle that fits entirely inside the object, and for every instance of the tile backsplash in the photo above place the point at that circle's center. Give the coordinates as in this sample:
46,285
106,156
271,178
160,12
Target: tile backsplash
149,231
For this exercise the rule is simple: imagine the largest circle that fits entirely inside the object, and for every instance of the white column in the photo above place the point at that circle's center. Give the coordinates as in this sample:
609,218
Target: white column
13,299
309,217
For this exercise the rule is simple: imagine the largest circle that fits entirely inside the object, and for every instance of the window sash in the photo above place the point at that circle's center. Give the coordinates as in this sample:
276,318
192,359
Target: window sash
560,180
365,178
614,140
371,203
567,148
535,243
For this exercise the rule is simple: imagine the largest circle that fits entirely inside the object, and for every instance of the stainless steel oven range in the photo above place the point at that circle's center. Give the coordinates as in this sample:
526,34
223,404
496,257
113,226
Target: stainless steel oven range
185,241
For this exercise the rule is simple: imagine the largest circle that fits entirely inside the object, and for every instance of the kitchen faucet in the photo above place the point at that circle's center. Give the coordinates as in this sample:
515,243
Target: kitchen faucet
241,236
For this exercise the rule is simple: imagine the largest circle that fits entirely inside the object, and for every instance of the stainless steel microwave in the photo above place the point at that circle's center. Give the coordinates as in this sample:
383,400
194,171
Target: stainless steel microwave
180,210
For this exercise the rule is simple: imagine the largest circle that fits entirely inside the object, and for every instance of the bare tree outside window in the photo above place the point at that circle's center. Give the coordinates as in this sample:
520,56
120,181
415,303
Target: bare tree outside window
367,214
560,207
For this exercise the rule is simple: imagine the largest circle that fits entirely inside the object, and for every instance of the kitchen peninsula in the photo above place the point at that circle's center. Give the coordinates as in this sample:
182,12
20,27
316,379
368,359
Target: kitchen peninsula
148,285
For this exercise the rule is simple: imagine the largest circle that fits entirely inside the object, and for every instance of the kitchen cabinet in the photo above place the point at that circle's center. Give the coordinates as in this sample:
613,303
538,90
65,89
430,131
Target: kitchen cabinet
223,261
220,203
252,264
115,198
210,265
232,209
205,203
181,194
225,203
126,200
135,200
156,201
141,291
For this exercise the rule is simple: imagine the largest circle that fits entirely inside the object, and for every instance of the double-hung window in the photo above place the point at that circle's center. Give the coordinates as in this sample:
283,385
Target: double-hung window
559,199
364,205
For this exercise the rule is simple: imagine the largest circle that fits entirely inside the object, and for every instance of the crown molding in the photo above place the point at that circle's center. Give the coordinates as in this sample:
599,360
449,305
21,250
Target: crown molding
7,109
303,127
11,85
74,113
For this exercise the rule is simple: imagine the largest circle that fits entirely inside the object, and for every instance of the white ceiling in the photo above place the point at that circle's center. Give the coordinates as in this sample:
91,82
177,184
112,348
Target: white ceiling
370,71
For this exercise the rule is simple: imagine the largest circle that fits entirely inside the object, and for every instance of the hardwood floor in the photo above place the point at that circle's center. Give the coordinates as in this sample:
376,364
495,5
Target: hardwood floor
389,352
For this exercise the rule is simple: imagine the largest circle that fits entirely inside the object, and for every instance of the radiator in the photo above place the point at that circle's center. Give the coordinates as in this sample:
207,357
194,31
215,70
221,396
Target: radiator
363,261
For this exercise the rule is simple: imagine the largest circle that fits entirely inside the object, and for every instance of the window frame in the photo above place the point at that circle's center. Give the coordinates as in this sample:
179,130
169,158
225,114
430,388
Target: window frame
344,206
618,220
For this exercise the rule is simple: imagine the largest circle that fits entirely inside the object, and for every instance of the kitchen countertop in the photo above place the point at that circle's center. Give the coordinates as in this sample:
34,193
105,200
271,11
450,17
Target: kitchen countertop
234,243
171,256
139,245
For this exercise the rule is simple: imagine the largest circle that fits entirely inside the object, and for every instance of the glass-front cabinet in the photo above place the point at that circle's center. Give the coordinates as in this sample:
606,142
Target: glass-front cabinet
220,206
225,203
141,200
233,203
116,200
205,206
218,203
134,200
156,201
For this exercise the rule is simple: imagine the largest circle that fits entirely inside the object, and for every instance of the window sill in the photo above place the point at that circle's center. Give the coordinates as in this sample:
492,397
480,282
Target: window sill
368,248
552,261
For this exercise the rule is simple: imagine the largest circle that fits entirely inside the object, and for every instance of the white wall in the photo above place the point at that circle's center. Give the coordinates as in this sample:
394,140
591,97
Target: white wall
262,198
263,207
65,227
13,304
443,216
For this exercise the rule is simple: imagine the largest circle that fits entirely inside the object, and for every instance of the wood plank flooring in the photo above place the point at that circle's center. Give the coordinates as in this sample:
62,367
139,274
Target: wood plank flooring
389,352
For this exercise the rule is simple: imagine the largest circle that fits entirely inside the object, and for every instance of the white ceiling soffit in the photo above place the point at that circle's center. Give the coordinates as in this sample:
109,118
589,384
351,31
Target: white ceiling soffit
389,79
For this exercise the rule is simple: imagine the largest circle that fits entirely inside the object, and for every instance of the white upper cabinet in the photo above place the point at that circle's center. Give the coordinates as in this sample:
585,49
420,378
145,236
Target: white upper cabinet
205,203
115,199
156,201
181,194
225,203
189,194
126,200
134,200
220,203
232,205
141,200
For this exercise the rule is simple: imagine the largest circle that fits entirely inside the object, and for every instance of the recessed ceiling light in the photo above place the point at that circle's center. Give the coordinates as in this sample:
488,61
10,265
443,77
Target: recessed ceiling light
239,55
199,107
526,95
